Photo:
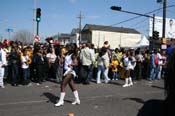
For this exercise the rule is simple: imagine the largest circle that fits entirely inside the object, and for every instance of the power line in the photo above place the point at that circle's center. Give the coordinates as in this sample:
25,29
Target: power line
170,11
141,16
130,19
140,22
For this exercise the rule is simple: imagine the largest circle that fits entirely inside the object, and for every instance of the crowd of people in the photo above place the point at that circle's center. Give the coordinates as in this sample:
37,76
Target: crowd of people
23,64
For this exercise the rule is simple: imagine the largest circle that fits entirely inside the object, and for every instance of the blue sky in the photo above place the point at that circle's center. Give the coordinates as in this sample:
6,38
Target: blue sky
60,16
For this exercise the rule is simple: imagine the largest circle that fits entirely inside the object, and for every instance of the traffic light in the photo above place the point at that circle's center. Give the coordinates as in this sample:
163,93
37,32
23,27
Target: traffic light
116,8
159,1
156,35
38,14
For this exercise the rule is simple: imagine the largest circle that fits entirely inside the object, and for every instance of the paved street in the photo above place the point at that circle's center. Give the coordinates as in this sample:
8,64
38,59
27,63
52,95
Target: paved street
96,100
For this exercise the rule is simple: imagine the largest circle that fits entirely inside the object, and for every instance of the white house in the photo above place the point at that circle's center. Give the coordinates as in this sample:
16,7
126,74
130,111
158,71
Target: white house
75,35
62,38
116,36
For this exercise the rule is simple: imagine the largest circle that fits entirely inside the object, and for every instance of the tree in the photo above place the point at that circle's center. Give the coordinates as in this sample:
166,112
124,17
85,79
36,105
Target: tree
23,36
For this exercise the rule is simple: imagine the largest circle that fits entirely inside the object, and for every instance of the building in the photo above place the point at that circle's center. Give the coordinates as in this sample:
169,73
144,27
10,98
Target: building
75,36
63,38
116,36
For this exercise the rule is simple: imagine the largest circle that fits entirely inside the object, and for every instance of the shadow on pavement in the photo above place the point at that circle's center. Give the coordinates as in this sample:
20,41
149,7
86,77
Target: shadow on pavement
115,83
52,98
152,108
138,100
157,87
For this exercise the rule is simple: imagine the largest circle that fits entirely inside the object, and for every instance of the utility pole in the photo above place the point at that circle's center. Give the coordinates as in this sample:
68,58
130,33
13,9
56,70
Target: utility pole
153,25
80,19
34,16
164,25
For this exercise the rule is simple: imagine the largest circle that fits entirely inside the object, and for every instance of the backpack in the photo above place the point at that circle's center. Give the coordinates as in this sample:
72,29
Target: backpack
156,60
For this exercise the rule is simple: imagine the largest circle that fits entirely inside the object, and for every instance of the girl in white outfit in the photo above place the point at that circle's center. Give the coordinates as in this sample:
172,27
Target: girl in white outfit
69,63
128,67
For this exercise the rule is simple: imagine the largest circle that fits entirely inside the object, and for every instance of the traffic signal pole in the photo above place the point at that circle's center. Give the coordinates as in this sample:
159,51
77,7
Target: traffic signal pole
139,14
145,15
37,28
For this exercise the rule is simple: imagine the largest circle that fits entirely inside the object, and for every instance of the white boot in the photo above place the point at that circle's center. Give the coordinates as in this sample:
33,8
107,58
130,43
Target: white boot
126,83
1,82
77,100
61,100
130,81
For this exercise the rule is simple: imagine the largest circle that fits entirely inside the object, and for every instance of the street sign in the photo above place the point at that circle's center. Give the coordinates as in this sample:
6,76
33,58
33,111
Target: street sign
37,38
163,46
9,30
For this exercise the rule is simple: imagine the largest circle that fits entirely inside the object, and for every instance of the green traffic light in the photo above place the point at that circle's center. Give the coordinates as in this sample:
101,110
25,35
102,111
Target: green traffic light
38,19
38,14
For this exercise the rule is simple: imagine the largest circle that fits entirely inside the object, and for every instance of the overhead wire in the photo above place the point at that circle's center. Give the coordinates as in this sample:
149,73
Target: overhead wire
144,14
130,19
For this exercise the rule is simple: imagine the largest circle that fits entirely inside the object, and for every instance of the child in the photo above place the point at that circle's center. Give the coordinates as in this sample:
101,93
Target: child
114,65
25,61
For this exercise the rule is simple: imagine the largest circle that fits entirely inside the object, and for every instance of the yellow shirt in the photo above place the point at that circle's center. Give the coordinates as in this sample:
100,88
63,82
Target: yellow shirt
114,65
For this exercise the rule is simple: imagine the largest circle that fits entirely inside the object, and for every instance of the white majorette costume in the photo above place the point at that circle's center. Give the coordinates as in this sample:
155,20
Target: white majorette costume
128,67
69,63
68,69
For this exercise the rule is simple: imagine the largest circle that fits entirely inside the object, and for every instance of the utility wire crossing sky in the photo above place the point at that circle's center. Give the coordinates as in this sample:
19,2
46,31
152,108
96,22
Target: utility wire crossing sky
61,16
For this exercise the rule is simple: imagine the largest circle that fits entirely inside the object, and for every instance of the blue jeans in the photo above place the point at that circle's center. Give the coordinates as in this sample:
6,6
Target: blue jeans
159,72
87,73
114,75
153,72
105,74
15,72
26,74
